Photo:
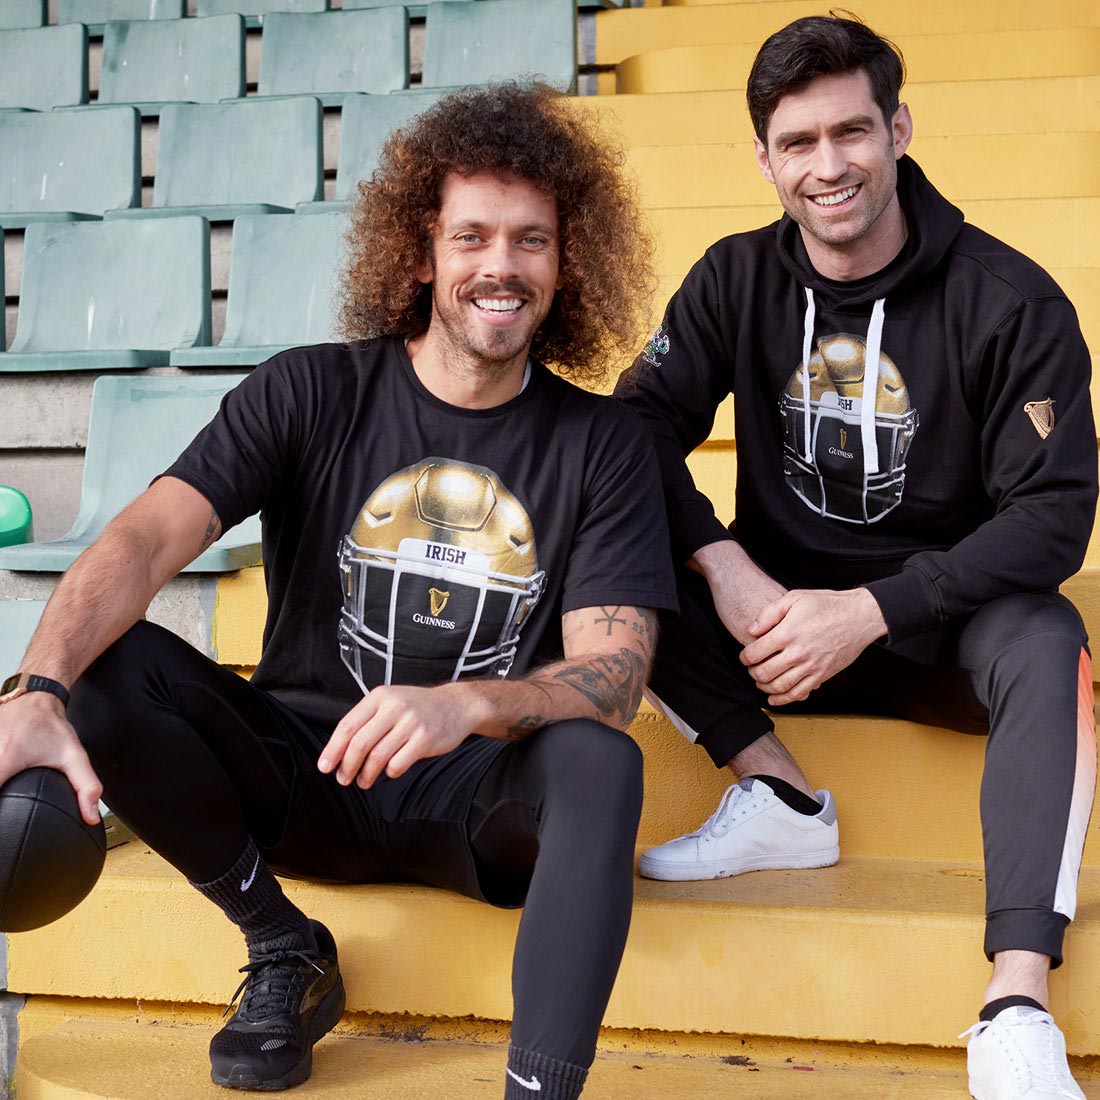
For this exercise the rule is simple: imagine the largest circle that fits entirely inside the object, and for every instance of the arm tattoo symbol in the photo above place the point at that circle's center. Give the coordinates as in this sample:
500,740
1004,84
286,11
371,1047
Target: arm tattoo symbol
211,527
609,618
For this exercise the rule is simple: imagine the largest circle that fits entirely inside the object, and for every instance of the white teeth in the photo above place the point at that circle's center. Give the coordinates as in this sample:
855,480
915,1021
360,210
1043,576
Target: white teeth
832,200
498,305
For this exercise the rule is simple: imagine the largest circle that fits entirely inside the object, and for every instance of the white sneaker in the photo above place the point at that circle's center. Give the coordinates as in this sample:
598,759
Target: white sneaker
1019,1055
752,830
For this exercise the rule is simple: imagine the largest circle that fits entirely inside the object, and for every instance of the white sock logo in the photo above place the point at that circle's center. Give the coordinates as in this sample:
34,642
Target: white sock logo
247,882
534,1084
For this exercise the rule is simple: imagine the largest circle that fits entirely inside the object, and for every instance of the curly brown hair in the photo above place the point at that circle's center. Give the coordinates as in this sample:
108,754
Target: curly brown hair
529,131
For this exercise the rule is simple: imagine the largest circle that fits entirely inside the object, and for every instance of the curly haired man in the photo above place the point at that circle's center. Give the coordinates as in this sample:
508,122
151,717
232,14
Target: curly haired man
464,555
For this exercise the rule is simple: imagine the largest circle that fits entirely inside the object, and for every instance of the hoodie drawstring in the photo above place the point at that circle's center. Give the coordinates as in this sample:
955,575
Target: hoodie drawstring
869,393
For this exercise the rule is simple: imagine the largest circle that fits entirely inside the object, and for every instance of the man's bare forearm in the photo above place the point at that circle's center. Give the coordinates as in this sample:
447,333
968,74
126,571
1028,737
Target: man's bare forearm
739,587
109,587
605,685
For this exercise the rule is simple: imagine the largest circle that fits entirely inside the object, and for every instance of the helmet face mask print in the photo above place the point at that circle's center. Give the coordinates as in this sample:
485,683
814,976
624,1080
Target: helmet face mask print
439,573
823,453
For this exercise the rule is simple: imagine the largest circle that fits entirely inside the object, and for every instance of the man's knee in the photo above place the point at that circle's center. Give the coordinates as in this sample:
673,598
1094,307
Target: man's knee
586,761
1031,628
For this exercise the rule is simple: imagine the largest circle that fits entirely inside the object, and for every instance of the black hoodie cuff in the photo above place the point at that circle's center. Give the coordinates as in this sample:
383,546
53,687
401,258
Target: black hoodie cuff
908,603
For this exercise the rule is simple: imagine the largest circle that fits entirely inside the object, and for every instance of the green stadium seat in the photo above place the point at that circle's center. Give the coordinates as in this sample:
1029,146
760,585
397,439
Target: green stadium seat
366,122
482,40
334,53
44,68
96,14
283,279
68,165
416,10
16,520
21,14
255,10
137,427
3,319
111,295
247,156
149,63
18,621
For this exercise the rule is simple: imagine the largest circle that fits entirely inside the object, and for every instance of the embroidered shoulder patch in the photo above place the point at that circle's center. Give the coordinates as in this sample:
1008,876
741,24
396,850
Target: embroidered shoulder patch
658,344
1041,415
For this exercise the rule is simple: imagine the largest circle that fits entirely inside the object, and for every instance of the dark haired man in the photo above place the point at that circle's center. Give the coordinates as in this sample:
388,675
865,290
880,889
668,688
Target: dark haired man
916,476
462,582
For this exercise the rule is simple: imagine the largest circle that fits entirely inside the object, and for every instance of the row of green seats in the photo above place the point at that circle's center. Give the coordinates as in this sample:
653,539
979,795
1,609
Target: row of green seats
219,160
129,294
150,63
136,428
95,14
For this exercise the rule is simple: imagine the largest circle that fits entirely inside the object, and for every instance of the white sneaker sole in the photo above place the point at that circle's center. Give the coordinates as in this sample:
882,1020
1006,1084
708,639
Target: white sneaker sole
669,871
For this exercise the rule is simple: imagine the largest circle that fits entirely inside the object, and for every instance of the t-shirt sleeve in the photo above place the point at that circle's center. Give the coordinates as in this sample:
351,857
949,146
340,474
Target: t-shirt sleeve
620,553
240,458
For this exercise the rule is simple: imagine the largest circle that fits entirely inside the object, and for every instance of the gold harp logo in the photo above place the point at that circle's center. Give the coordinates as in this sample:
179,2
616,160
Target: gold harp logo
843,438
438,601
1041,415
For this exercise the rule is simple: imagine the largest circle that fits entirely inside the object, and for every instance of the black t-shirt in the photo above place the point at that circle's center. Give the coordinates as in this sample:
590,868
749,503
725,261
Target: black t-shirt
406,540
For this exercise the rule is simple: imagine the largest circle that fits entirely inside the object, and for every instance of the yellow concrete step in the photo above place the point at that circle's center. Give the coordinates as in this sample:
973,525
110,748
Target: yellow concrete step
89,1059
621,34
1056,233
807,955
1061,104
989,55
994,167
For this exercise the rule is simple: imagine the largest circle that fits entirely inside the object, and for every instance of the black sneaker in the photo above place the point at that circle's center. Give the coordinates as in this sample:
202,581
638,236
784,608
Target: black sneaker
291,999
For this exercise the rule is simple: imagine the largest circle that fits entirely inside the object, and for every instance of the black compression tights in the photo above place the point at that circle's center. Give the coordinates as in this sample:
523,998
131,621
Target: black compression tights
196,760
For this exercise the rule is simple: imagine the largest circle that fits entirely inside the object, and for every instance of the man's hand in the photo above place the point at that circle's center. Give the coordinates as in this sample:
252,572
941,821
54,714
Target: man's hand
392,727
34,733
740,588
808,635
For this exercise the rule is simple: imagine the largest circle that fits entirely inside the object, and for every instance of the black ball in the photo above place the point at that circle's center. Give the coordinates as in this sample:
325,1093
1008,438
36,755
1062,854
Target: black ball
49,858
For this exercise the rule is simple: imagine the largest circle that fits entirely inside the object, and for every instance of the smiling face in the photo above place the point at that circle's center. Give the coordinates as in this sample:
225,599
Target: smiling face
833,161
494,269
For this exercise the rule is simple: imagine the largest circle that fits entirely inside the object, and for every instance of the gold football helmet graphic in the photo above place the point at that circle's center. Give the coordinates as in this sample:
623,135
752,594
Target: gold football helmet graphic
439,573
823,458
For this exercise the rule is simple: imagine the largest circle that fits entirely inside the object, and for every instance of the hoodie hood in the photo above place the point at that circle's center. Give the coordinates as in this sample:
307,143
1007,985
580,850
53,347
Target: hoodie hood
933,222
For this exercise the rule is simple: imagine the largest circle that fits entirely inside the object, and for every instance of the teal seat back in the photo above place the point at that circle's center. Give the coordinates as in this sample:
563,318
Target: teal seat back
137,428
82,161
103,11
44,68
366,123
173,60
483,40
248,151
259,7
283,279
338,51
16,521
19,14
18,621
132,283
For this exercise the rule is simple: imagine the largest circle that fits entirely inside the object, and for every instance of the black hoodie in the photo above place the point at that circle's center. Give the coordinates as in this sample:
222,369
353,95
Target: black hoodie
970,476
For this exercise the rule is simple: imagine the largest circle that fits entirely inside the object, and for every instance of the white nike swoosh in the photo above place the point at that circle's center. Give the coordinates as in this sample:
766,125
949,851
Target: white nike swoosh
247,882
534,1084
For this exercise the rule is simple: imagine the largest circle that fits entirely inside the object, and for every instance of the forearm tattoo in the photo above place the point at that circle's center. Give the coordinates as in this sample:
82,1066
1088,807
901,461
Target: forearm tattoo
211,530
611,682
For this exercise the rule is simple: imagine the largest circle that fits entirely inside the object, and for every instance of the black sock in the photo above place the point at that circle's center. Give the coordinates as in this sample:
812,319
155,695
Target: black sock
1001,1003
529,1073
251,898
790,796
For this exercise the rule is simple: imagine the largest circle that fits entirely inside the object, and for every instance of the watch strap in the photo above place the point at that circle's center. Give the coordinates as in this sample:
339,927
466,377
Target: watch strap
23,682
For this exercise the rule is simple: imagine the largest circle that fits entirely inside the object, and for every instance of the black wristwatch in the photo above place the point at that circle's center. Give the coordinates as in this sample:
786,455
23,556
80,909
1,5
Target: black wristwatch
22,682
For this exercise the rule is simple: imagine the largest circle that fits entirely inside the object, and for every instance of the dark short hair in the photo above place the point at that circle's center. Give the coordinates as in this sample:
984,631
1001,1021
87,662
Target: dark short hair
510,130
821,45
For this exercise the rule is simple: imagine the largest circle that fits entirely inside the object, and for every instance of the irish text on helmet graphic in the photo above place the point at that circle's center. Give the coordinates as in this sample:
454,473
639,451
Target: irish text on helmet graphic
439,573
